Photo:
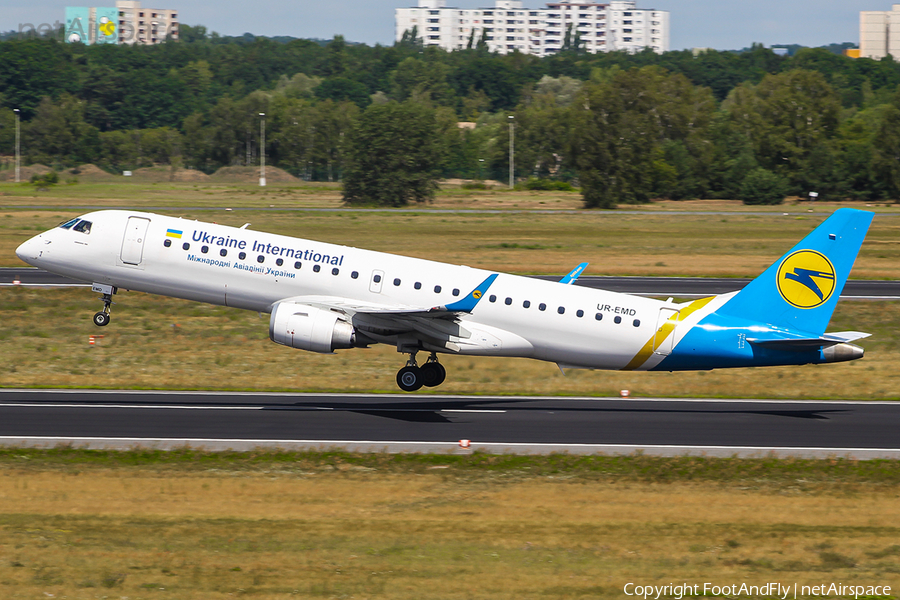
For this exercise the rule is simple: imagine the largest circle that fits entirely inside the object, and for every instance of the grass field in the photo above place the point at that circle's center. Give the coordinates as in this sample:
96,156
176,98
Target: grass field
173,344
79,524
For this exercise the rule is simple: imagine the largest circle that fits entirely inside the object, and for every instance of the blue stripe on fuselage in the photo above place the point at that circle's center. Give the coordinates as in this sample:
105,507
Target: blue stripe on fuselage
720,342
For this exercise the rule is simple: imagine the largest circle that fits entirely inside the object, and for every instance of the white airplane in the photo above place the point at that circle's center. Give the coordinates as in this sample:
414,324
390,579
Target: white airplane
324,297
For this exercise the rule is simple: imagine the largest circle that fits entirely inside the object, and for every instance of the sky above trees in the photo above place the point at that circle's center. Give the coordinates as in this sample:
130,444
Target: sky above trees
716,24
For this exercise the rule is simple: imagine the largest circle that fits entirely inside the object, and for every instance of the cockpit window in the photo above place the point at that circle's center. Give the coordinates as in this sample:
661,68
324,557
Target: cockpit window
68,224
83,227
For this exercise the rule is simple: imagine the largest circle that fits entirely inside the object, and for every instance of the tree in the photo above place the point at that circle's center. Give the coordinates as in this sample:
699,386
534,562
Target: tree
886,153
621,120
763,187
393,156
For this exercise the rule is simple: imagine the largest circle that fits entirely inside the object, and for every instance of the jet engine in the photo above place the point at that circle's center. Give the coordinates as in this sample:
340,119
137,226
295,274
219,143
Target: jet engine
309,328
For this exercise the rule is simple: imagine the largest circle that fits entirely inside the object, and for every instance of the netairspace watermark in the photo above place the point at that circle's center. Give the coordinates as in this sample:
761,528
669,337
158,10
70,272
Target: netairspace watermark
767,590
126,33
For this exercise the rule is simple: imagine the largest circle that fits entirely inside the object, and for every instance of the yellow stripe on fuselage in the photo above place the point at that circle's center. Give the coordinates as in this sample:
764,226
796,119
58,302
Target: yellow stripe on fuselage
664,331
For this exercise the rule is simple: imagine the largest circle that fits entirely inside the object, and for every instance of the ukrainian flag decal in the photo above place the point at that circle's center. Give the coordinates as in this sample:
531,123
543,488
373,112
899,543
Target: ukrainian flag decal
806,279
173,233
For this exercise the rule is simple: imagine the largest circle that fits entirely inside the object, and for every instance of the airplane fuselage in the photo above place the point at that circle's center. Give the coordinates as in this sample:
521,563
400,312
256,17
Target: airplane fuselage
518,316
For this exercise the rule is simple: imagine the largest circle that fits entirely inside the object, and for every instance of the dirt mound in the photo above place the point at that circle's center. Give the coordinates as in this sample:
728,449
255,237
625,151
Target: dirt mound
158,174
25,173
90,172
251,175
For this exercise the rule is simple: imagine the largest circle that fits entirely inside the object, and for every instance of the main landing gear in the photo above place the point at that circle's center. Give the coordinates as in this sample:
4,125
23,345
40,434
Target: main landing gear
101,319
412,377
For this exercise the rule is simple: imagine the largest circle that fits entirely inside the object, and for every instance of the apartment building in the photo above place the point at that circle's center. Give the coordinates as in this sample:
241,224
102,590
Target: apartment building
879,33
508,26
138,25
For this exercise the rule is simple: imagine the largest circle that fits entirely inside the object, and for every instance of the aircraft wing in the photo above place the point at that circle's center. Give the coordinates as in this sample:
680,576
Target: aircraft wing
574,274
437,327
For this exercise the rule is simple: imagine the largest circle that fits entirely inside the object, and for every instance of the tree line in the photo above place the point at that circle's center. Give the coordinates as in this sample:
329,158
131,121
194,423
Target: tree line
624,127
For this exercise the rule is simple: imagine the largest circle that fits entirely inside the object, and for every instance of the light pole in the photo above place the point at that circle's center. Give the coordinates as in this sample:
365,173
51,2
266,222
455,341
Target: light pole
481,169
262,150
512,150
18,147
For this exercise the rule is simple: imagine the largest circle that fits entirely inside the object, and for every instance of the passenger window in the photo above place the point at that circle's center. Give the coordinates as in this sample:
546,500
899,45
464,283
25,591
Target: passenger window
542,306
278,262
526,304
242,255
317,268
396,281
377,278
599,316
223,252
617,320
185,246
204,249
455,292
335,271
437,289
493,298
354,275
167,243
260,258
418,286
508,301
83,227
297,264
561,310
579,313
68,224
637,323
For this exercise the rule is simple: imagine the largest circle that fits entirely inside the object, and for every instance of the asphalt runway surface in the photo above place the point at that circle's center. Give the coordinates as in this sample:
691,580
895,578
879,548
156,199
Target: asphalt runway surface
684,287
422,423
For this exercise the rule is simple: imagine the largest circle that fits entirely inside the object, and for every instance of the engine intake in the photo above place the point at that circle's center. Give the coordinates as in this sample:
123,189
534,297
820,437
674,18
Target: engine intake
309,328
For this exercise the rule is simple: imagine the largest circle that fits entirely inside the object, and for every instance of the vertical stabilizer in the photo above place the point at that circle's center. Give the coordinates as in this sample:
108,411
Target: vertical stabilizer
802,288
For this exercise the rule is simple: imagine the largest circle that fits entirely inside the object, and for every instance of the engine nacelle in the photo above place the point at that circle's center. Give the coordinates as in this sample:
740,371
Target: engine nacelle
309,328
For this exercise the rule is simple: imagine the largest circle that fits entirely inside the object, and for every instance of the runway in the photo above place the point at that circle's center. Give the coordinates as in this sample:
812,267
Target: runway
684,287
421,423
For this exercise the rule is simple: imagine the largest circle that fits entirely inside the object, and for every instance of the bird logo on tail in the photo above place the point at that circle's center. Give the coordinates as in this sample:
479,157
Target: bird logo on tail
806,279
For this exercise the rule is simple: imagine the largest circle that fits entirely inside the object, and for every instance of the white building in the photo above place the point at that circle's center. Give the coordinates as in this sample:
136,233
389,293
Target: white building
508,26
879,33
139,25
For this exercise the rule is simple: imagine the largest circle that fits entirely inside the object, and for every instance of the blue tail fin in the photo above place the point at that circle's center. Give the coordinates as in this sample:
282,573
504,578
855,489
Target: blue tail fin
801,290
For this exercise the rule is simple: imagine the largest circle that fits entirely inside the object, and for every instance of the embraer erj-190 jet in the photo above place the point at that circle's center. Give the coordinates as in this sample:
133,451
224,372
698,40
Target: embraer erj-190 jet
324,297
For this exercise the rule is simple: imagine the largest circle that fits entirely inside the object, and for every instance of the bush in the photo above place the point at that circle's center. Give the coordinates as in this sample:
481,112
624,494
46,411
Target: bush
475,185
46,180
763,187
549,185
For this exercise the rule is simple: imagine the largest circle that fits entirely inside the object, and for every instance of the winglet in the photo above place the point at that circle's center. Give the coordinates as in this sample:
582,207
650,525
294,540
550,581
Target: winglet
468,303
573,275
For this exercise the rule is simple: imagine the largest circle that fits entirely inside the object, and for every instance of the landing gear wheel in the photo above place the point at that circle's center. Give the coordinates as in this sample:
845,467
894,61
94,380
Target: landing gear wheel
409,379
101,319
433,374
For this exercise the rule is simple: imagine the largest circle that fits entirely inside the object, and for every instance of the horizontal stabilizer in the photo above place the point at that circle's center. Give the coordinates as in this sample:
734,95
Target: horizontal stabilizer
825,341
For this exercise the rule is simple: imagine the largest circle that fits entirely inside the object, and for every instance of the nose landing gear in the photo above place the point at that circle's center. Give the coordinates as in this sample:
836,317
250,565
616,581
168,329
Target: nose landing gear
102,318
412,377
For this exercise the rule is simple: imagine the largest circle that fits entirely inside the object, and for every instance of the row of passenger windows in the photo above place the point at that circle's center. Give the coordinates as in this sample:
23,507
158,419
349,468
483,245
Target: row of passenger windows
562,310
417,285
261,259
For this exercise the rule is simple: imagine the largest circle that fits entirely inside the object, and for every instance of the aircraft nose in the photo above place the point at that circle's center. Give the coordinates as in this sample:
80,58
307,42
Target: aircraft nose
28,250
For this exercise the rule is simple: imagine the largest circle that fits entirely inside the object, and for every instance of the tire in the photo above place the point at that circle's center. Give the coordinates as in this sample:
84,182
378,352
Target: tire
409,379
433,374
101,319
